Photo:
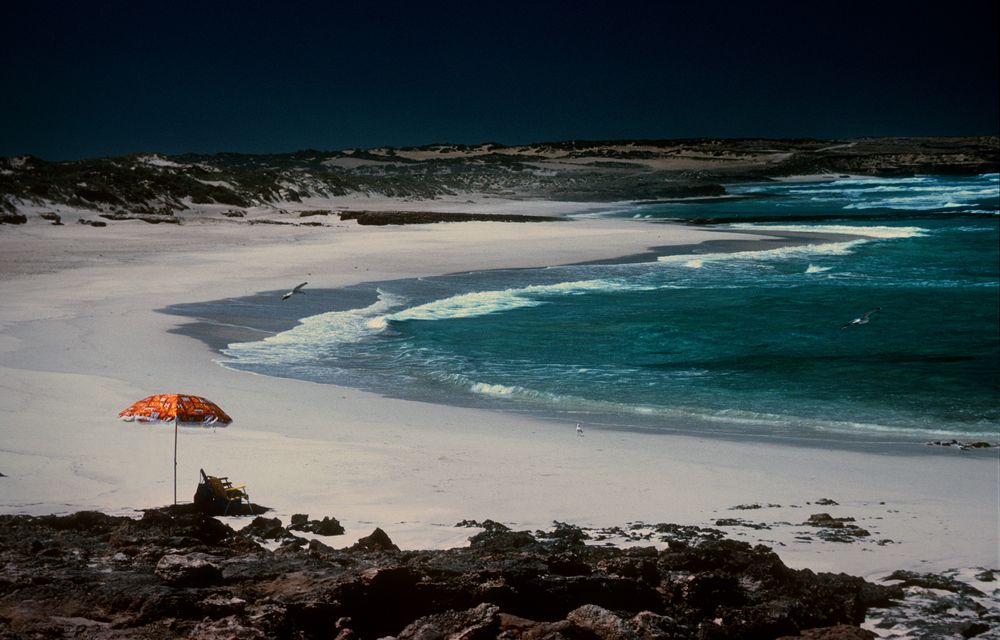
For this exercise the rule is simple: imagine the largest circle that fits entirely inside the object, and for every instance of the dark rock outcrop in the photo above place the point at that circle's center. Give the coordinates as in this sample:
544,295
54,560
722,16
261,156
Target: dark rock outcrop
12,218
174,574
836,529
381,218
188,570
377,541
326,527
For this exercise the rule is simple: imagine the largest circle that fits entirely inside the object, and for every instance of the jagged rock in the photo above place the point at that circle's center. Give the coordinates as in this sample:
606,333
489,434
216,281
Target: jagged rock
824,502
601,623
325,527
687,534
518,627
173,574
933,581
182,525
838,632
836,529
292,545
498,537
973,629
826,520
225,629
567,535
653,625
190,570
479,622
265,528
317,548
739,522
378,540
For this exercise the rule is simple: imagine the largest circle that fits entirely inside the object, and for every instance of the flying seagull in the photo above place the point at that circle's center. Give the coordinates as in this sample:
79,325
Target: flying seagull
862,320
291,293
579,429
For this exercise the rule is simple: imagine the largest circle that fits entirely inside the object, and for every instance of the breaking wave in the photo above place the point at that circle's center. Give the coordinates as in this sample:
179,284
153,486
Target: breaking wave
480,303
314,334
781,253
868,232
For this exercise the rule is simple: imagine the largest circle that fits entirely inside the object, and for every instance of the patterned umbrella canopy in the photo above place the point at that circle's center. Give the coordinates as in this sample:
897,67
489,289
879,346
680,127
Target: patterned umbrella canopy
178,408
184,408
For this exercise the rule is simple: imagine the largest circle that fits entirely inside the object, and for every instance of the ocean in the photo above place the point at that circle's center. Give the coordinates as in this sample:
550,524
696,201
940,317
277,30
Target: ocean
746,342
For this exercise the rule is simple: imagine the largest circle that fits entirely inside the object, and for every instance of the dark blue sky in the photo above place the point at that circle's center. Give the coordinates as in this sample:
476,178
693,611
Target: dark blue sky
84,79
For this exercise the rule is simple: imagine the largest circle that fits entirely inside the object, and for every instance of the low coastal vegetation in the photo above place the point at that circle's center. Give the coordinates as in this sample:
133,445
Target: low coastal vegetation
157,185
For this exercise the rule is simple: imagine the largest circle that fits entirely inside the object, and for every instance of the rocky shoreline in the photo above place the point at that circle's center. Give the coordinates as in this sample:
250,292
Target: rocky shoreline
178,573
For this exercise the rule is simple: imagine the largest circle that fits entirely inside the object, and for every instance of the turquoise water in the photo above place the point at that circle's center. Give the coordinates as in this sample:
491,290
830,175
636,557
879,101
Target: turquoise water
746,342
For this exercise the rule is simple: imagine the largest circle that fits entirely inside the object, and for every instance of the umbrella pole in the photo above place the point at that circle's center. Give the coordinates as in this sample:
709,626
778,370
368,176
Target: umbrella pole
175,460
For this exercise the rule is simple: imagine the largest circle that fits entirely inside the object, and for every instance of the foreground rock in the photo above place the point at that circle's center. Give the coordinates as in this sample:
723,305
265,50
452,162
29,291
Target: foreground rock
174,574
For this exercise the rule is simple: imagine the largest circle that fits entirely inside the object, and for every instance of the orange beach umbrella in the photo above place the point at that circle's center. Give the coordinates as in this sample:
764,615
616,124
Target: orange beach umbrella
178,408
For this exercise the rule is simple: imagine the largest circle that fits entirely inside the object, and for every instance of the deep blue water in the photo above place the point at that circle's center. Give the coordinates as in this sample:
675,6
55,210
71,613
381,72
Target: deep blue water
747,342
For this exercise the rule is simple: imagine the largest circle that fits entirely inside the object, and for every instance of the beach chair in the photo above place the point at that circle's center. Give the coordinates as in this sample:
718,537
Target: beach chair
222,493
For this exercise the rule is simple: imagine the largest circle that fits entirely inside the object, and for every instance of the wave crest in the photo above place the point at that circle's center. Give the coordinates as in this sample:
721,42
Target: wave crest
315,333
869,231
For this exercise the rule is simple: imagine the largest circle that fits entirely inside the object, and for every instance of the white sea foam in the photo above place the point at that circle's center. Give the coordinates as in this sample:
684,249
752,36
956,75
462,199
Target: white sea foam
868,232
781,253
492,389
466,305
816,269
480,303
316,333
914,193
922,202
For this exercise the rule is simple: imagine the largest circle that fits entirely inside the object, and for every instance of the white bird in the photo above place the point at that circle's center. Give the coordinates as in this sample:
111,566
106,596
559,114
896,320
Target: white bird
862,320
294,291
579,429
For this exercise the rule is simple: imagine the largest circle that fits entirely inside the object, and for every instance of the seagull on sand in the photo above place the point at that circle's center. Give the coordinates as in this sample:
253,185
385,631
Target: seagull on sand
862,320
579,429
291,293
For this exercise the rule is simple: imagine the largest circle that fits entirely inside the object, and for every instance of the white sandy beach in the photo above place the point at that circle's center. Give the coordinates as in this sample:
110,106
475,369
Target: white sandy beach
80,339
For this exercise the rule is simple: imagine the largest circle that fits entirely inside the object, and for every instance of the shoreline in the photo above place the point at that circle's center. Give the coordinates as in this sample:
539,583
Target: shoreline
79,346
215,324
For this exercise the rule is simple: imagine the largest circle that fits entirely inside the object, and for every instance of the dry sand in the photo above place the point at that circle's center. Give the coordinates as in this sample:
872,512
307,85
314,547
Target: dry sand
80,339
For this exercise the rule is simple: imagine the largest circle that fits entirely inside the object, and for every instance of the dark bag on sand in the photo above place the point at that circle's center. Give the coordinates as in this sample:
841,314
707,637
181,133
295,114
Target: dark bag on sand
204,500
